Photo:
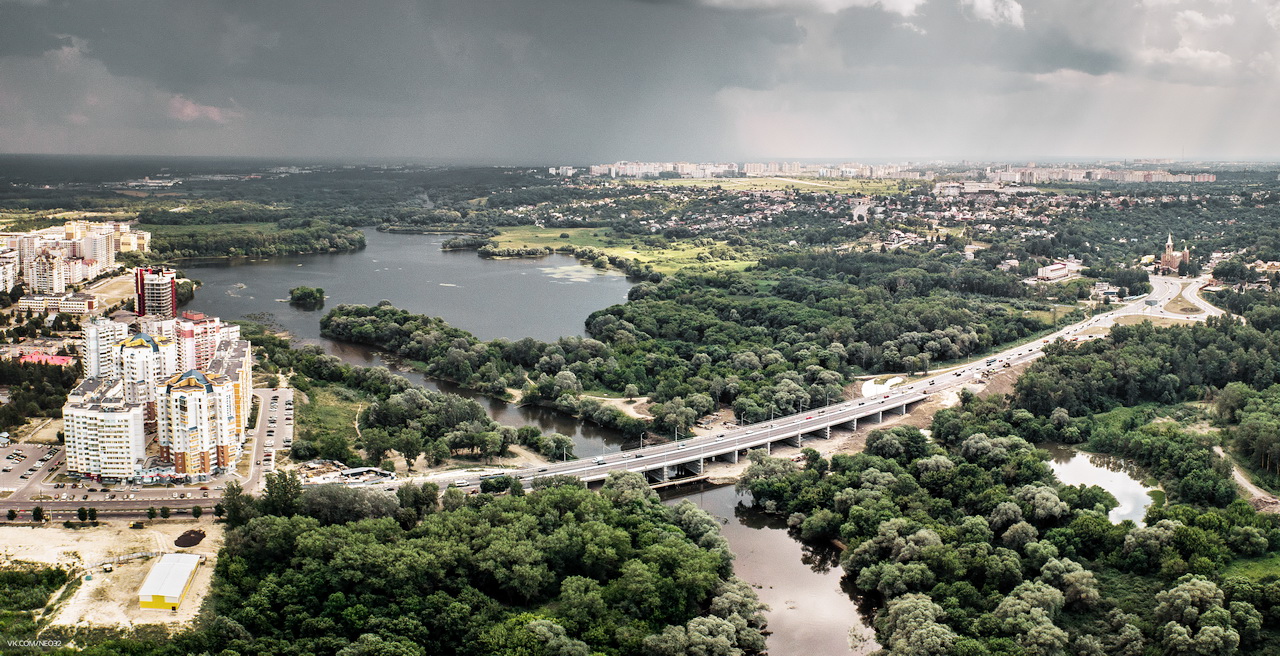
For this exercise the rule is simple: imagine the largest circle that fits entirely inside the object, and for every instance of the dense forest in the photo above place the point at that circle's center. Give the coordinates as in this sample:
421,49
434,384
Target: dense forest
35,390
972,547
397,416
1143,363
785,335
309,298
560,571
284,238
25,588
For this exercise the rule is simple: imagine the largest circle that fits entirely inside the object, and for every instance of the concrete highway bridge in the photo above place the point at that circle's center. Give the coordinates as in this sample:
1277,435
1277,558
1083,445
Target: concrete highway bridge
687,458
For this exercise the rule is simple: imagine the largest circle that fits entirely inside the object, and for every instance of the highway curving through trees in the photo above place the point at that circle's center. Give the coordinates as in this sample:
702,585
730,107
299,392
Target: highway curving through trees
730,443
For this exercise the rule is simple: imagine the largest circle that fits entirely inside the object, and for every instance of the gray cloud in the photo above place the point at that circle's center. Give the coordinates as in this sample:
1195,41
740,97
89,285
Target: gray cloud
587,80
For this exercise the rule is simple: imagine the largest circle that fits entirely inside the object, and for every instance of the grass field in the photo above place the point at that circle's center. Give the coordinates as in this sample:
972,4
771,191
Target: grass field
1181,305
839,185
1254,568
1158,322
330,411
664,260
1049,316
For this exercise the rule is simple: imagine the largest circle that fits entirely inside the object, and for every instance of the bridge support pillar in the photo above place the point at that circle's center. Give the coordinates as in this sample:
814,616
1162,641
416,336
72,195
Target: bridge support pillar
879,416
902,409
694,467
731,456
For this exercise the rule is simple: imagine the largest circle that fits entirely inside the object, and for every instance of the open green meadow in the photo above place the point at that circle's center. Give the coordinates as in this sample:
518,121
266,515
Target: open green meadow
668,259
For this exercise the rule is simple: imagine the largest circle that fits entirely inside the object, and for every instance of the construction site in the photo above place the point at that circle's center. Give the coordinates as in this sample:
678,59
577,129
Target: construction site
110,563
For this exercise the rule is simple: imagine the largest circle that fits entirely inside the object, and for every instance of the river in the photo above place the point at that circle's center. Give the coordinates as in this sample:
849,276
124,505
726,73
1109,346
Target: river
811,610
1110,473
541,298
545,299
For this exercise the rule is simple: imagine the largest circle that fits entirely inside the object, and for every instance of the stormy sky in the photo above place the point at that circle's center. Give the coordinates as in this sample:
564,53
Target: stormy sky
578,81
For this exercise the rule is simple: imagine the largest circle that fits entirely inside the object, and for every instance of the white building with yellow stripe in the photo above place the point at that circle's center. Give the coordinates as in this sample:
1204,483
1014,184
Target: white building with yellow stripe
169,581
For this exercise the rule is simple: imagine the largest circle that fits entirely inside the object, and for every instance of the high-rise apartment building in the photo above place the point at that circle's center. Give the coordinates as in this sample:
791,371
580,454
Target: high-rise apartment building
48,273
196,334
105,436
143,362
197,422
10,268
98,353
233,359
156,291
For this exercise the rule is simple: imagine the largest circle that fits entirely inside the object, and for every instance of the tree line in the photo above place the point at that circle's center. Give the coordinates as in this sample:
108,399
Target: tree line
399,415
971,546
560,571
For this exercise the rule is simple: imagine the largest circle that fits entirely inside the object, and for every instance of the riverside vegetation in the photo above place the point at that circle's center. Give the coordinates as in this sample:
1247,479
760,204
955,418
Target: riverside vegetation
785,335
964,545
967,544
560,571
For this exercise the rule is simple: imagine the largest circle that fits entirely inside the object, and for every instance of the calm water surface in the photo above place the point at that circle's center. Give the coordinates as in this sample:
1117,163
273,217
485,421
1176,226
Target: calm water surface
1112,474
811,612
544,299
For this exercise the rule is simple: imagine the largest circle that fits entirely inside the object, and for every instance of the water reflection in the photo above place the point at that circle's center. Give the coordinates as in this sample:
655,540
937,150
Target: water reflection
1115,475
545,299
812,605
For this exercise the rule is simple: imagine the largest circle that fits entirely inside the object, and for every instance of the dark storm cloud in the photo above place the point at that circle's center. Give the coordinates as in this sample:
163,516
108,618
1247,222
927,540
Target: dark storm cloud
24,33
576,80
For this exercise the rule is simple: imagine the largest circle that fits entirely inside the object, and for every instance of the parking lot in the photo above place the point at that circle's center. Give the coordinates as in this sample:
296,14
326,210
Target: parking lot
21,464
273,433
275,428
90,492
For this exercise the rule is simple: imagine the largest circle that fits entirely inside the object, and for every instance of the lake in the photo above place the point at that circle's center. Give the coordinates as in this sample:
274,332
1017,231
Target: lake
811,610
1110,473
541,298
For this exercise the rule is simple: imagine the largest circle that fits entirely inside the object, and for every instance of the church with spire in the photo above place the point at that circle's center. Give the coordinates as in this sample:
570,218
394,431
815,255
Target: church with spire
1171,259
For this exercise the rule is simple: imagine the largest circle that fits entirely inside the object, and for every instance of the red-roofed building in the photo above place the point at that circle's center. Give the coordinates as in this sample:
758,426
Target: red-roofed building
43,358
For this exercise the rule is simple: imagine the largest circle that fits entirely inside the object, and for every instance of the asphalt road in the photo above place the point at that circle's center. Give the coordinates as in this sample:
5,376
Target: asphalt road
1164,289
197,494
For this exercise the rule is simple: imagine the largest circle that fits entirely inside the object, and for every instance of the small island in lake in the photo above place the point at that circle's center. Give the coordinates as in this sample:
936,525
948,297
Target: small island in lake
310,298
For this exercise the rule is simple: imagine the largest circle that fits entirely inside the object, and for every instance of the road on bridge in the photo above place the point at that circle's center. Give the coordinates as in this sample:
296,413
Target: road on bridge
732,442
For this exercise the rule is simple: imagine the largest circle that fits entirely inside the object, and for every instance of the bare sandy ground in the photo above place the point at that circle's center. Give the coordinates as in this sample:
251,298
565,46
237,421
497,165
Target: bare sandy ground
46,433
872,388
110,598
1261,499
636,408
114,290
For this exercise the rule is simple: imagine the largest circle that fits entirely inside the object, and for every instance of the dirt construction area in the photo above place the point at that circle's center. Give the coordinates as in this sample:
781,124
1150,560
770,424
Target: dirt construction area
111,598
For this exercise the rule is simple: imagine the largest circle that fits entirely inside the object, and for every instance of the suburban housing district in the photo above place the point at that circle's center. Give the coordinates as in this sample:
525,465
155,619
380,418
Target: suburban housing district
890,369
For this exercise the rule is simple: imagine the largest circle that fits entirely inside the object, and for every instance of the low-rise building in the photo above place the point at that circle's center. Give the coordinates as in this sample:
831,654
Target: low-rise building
169,581
79,303
1055,271
42,358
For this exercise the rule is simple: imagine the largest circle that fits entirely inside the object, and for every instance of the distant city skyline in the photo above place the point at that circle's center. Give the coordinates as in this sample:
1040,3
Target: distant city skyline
576,81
